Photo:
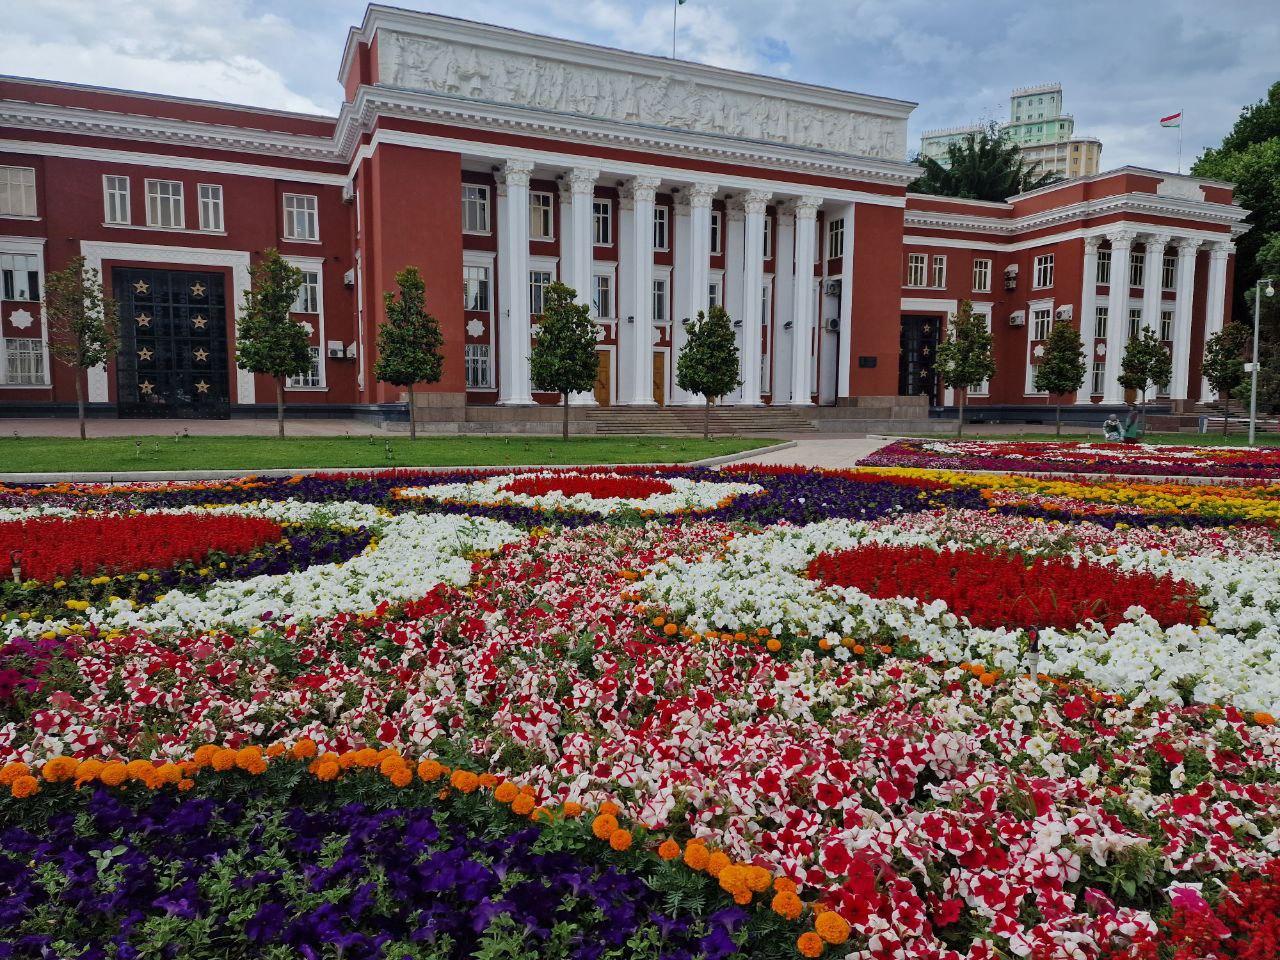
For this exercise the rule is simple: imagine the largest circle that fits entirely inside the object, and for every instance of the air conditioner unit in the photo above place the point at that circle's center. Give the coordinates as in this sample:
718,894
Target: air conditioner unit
832,325
348,193
1018,318
349,278
336,351
833,288
351,350
1063,313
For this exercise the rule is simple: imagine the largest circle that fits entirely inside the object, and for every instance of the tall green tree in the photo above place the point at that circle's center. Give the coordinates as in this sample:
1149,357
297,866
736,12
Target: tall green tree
82,321
409,339
1146,364
1223,363
1249,157
708,361
964,357
564,360
983,166
268,340
1061,370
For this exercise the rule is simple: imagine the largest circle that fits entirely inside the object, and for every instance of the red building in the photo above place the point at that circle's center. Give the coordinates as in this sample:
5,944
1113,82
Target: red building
497,161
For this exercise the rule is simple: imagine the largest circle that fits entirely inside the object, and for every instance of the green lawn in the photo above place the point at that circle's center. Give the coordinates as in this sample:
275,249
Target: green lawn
120,454
1174,439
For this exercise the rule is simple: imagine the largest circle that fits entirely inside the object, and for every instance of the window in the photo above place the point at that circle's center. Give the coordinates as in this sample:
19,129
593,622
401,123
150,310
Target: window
660,301
1041,323
479,370
21,275
475,288
716,224
1166,325
1137,263
1168,273
17,192
115,196
768,237
24,360
541,218
1135,321
308,299
1099,377
312,377
713,294
1104,267
1043,276
475,208
835,240
661,240
210,206
300,217
939,276
602,296
164,204
602,222
917,264
982,276
539,280
1100,323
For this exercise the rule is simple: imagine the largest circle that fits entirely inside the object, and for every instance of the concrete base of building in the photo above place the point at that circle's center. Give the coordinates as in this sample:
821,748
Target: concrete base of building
1075,415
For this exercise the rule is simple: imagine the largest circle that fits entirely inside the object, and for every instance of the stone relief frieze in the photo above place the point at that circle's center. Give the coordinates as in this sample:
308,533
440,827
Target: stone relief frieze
667,100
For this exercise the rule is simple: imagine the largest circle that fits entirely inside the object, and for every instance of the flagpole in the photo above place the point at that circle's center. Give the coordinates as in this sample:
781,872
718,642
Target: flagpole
675,5
1182,116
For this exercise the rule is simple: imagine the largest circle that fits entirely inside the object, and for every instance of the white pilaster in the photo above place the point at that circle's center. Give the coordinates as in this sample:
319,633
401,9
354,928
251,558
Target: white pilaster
1152,280
576,245
513,272
1117,313
681,290
692,266
752,283
844,386
784,281
734,254
640,250
1184,282
1215,296
1088,312
802,303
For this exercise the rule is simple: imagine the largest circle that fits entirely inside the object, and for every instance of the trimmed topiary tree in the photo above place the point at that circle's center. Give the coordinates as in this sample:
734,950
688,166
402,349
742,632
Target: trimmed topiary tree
708,363
409,339
1061,370
82,321
268,339
563,360
964,358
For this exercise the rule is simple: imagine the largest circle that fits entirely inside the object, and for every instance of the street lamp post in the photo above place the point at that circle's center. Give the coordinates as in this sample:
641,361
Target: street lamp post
1253,386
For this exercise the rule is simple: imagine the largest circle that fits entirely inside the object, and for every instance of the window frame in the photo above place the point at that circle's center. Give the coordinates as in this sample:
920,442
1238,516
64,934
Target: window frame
1137,268
717,232
835,238
308,299
31,272
986,264
1034,329
661,227
477,356
596,286
938,280
541,286
13,182
1042,272
660,307
311,214
213,203
767,250
602,217
172,201
917,270
1098,382
1169,272
1101,317
483,286
1135,323
1102,271
481,203
545,212
1166,325
35,352
112,195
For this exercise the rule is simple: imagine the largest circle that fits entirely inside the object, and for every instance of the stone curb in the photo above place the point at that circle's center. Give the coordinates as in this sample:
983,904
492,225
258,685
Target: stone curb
745,455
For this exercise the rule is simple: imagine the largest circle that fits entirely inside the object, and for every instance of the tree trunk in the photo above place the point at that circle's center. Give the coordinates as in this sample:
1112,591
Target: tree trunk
413,427
80,400
280,407
960,420
564,424
1057,408
1226,412
706,418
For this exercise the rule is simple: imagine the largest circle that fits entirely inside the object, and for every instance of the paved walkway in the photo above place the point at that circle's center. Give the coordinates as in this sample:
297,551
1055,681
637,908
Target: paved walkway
830,452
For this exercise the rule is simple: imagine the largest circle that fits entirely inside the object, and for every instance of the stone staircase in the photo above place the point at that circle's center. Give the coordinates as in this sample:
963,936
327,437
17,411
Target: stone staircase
674,421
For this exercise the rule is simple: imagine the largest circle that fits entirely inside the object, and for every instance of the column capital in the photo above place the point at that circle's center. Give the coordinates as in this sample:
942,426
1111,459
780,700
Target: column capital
1157,241
515,173
807,207
1122,238
1221,249
701,194
1091,244
1187,246
643,188
756,200
734,209
582,181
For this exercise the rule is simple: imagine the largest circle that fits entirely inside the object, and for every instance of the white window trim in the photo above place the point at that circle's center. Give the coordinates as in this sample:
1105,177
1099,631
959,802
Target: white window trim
222,209
182,205
551,215
664,274
832,232
973,279
983,310
483,258
1032,307
28,247
493,383
715,277
924,284
488,209
106,201
1036,265
608,273
35,195
717,218
665,219
314,265
544,265
932,265
284,200
612,220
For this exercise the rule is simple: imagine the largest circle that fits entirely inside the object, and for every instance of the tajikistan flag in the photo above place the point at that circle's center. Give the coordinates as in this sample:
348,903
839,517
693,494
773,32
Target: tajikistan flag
1172,120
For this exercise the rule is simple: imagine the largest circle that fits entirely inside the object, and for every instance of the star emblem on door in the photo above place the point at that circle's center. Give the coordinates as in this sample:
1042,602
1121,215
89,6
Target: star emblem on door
146,386
145,354
144,320
201,387
197,289
201,354
198,322
141,286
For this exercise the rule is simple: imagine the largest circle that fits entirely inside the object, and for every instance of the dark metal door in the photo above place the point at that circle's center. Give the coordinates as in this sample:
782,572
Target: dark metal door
173,358
918,349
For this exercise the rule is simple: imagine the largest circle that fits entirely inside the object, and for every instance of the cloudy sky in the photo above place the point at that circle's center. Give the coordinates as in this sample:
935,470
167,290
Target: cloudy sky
1123,63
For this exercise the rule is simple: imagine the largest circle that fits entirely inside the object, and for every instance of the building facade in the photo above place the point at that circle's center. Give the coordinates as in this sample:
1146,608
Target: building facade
1042,133
498,161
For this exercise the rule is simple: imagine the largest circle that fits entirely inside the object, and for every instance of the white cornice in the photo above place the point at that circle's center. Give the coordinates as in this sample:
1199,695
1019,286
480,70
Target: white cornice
1013,245
373,102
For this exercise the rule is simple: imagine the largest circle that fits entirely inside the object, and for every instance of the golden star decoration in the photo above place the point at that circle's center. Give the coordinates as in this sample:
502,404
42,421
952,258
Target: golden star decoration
146,386
197,289
198,322
201,354
144,319
201,387
141,286
144,353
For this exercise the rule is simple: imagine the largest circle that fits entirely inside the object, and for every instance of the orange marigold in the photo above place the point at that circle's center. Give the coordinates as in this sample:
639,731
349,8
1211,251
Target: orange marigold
464,781
742,897
787,904
114,774
401,776
696,856
604,825
88,771
59,769
223,760
430,770
12,771
1263,719
139,769
327,769
717,862
809,945
733,878
774,644
620,840
24,786
610,808
390,765
571,809
250,760
758,879
506,792
832,927
368,757
204,755
785,885
488,781
522,805
186,784
304,749
167,773
669,849
275,750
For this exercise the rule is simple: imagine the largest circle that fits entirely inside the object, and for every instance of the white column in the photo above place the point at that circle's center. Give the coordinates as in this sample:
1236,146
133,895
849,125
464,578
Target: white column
640,250
802,304
784,286
692,266
1117,313
576,245
681,290
752,284
1089,313
1184,283
844,387
513,272
1152,281
1215,305
734,254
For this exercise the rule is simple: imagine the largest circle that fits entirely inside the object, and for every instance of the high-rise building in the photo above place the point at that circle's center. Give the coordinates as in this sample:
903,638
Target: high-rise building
1039,129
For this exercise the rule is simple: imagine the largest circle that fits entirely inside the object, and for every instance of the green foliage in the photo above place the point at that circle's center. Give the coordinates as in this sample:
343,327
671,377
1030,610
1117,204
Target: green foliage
409,339
1224,358
708,363
268,340
1062,368
564,356
1146,364
83,322
983,166
964,358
